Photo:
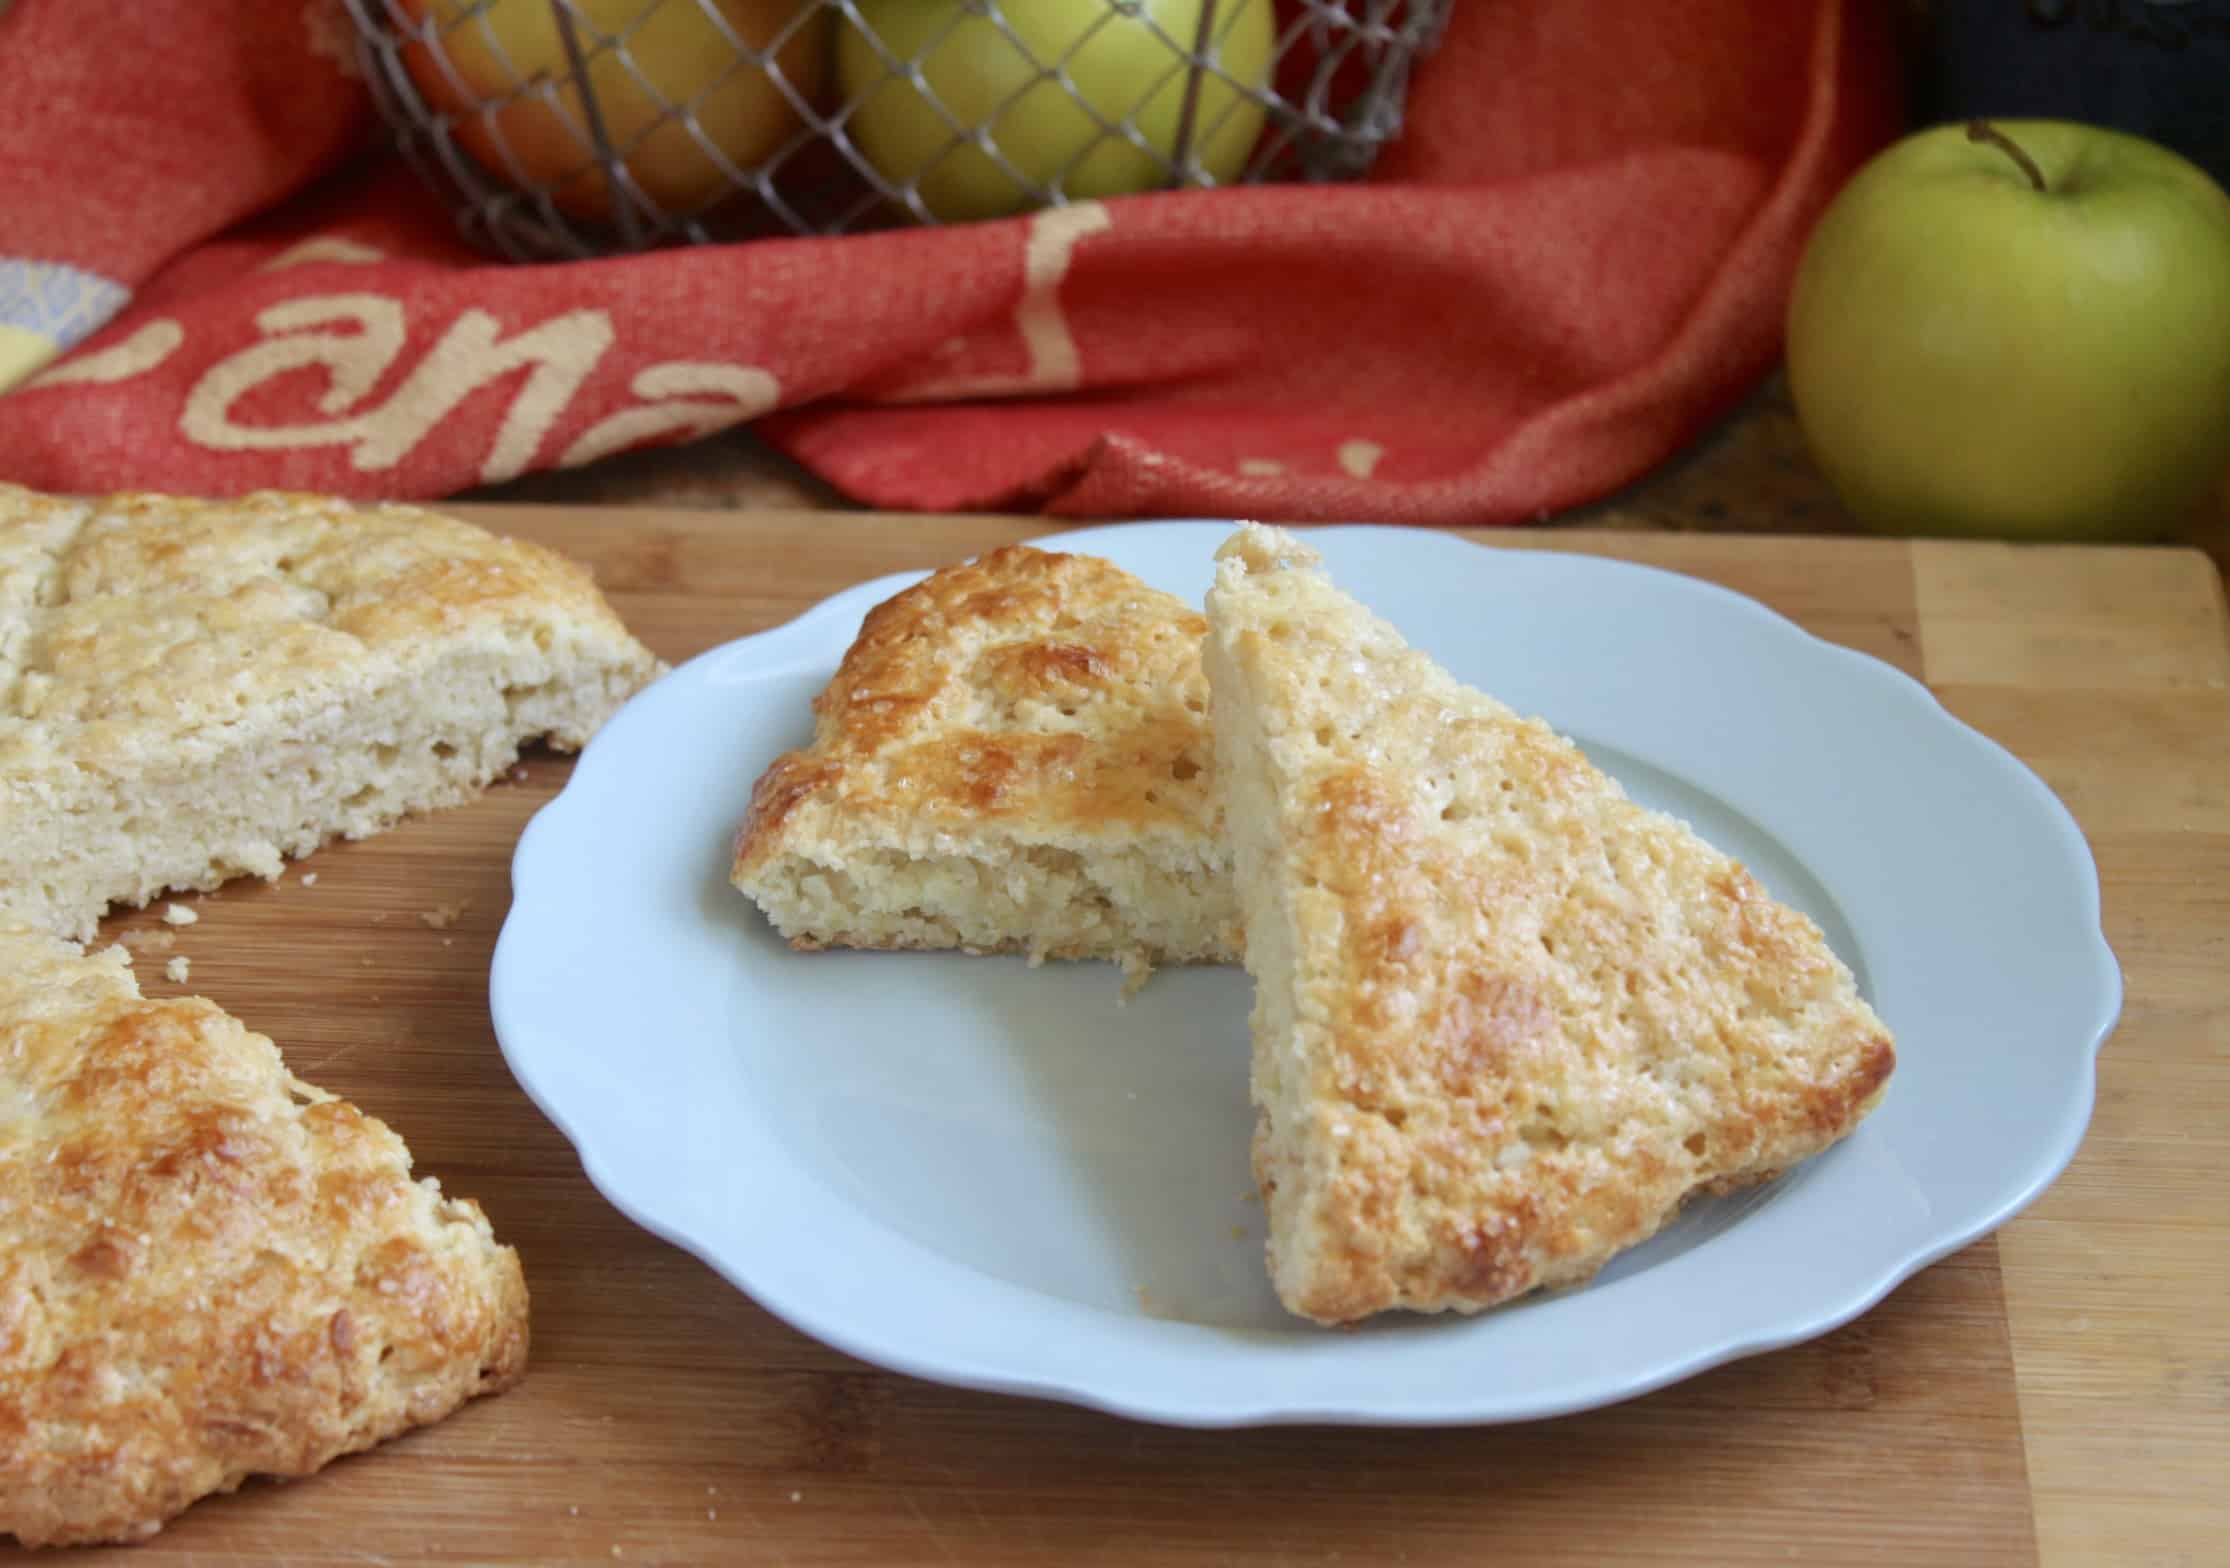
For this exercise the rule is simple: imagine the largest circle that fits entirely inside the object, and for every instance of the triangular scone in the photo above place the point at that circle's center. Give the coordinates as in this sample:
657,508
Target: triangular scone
1505,1019
192,690
208,1269
1012,757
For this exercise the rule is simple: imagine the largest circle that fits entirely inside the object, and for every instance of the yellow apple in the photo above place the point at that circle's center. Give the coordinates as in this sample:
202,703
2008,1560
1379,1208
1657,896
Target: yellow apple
2020,330
979,77
489,49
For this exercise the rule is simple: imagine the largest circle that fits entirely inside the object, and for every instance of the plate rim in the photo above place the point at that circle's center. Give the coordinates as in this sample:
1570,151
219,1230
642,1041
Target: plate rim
2047,1156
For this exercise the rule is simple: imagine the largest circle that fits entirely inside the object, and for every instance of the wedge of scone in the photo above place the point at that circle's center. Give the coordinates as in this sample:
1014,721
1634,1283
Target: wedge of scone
1505,1019
208,1269
192,690
1013,757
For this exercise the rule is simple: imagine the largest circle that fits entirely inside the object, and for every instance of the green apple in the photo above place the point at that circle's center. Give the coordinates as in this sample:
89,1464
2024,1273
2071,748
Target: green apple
2019,329
982,77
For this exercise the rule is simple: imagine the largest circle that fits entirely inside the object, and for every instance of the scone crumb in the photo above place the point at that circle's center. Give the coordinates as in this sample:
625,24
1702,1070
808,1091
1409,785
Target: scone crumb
1137,970
309,879
797,1497
150,941
177,969
178,915
442,916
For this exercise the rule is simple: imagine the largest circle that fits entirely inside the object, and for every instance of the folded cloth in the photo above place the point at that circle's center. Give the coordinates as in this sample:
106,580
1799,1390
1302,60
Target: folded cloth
1576,257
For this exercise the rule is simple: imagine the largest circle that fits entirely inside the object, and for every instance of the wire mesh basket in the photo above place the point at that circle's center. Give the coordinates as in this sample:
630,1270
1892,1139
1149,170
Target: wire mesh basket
567,128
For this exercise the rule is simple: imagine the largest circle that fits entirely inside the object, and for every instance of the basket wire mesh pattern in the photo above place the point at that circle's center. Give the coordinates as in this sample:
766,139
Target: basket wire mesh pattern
572,128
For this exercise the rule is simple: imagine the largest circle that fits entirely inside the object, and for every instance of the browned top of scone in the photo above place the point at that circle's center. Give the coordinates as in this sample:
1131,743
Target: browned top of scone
1022,688
135,625
207,1269
1532,1015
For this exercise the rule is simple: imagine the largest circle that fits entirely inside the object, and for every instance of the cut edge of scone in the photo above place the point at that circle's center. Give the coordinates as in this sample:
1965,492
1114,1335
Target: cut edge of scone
212,1270
1012,757
1506,1022
407,691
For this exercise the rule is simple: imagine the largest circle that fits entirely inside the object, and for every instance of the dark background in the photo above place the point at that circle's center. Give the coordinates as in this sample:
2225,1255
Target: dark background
2159,68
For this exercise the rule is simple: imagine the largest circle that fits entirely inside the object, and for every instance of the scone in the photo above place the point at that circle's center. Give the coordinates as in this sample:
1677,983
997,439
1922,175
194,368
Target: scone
1505,1019
193,690
208,1269
1012,757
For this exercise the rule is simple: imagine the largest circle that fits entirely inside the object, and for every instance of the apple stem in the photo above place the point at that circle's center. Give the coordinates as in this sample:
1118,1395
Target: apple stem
1984,131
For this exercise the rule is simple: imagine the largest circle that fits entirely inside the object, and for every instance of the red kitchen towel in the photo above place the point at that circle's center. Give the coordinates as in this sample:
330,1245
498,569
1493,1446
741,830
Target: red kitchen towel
1574,260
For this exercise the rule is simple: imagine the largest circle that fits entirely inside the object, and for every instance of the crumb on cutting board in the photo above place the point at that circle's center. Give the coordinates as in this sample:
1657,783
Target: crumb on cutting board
148,941
309,879
178,915
177,969
442,916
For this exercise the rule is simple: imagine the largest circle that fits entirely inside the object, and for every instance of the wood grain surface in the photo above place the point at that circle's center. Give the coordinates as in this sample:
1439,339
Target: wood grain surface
2056,1395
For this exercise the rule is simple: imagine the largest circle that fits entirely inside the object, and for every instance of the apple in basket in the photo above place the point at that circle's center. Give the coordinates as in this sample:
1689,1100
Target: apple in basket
2018,329
504,71
931,82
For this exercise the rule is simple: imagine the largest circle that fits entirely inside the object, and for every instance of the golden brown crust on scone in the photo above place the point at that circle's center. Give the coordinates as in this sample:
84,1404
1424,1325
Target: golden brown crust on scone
208,1269
978,691
1003,745
192,689
1507,1021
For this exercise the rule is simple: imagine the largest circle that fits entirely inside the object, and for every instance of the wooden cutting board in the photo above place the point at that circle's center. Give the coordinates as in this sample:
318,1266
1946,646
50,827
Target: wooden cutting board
2057,1394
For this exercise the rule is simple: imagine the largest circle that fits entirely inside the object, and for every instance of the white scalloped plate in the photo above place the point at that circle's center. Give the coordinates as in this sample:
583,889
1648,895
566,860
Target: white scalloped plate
1010,1179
